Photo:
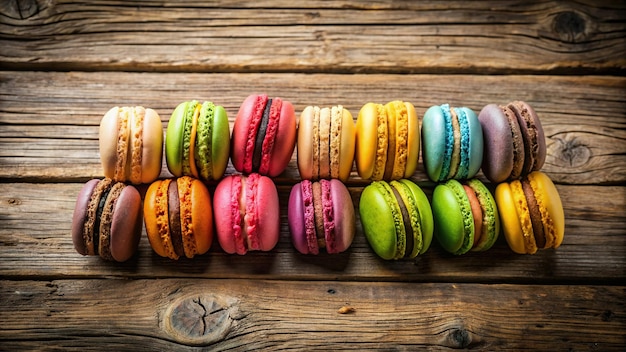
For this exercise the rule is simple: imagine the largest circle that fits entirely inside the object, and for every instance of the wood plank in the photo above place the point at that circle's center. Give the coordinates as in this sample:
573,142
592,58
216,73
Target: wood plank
49,120
35,242
149,315
334,36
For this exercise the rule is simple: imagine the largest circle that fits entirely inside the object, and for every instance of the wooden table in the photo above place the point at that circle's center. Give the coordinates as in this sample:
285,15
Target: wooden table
64,64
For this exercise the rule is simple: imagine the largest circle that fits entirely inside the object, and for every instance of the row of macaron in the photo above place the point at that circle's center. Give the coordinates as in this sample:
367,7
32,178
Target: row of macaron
507,141
397,218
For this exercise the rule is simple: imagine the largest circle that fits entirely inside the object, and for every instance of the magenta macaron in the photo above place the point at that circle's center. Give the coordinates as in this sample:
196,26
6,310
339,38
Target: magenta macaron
321,215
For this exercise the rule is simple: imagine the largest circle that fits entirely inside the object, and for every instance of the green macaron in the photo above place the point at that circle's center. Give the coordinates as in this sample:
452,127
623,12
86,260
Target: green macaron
397,219
197,140
466,216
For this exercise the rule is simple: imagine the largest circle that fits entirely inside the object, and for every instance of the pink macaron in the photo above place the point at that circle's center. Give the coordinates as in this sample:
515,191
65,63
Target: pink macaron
264,135
246,213
321,215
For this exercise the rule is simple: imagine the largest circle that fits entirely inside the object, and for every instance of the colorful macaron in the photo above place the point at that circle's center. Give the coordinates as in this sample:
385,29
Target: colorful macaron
107,220
387,141
452,143
326,140
397,219
178,217
515,143
531,213
264,135
131,144
197,141
321,215
466,216
246,213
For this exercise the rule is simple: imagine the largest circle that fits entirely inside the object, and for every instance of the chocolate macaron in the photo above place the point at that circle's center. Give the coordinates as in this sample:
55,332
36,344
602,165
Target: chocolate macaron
514,141
107,220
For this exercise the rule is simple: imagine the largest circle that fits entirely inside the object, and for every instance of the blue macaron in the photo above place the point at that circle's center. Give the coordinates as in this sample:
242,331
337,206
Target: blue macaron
452,143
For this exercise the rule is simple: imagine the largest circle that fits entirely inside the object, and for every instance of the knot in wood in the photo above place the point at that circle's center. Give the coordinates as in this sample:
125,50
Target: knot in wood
573,153
200,319
459,338
570,26
20,9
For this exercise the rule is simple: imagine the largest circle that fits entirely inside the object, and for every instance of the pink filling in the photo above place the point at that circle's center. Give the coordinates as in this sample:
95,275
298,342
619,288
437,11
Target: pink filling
309,217
329,220
236,215
270,135
255,121
251,215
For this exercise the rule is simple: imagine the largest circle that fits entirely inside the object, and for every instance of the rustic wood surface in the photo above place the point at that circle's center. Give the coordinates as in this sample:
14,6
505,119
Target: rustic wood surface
64,63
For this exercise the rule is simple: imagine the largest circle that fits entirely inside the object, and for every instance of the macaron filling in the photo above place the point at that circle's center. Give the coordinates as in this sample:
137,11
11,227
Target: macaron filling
255,120
406,220
521,205
328,217
260,135
173,208
413,212
106,218
530,134
391,143
270,134
535,214
310,219
463,168
204,136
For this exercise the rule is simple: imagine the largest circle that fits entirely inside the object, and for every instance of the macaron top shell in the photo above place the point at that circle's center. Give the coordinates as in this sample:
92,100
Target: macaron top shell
454,225
274,145
126,224
379,217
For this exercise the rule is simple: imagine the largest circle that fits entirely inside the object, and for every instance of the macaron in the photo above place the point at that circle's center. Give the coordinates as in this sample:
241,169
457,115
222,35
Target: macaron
107,220
531,213
452,143
264,135
131,144
321,215
178,217
397,219
197,141
515,144
466,216
387,141
247,213
325,144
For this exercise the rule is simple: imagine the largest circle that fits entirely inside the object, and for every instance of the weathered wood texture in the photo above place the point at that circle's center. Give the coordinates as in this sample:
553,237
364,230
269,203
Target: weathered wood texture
63,64
274,315
334,36
594,250
49,120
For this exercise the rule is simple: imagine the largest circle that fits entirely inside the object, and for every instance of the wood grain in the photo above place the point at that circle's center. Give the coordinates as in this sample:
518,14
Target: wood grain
334,36
272,315
49,120
593,250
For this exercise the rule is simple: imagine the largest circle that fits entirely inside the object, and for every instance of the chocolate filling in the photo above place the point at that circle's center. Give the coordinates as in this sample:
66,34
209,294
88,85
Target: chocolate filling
535,214
96,226
173,208
260,136
406,219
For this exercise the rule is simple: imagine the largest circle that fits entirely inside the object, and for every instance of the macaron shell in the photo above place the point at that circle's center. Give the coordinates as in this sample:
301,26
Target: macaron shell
267,213
152,151
347,146
413,148
343,215
220,142
476,142
509,218
225,203
107,137
305,143
201,217
427,224
454,226
497,162
285,141
433,137
378,222
491,219
534,137
240,139
550,204
80,214
126,224
296,216
174,140
156,217
371,146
